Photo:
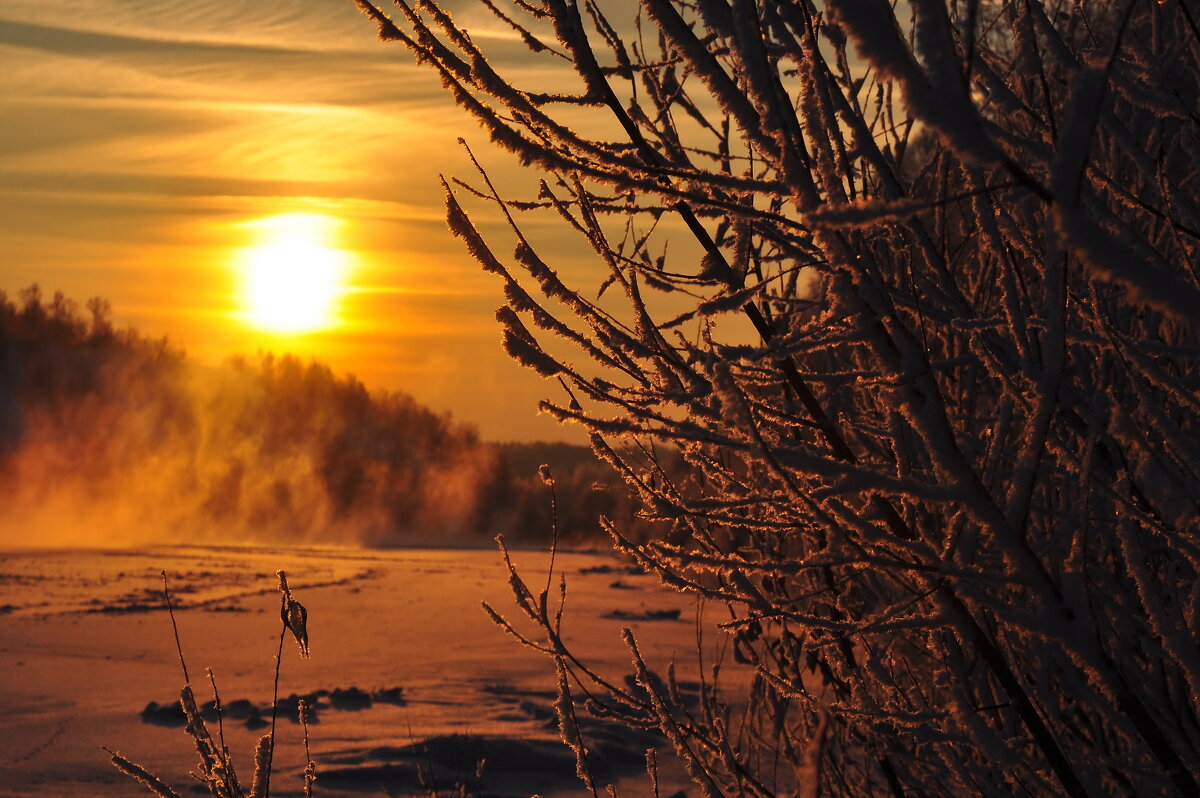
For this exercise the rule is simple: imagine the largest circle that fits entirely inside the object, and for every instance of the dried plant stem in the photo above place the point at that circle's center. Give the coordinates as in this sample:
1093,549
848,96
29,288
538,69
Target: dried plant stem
274,714
224,750
216,770
310,767
262,779
138,773
174,627
548,479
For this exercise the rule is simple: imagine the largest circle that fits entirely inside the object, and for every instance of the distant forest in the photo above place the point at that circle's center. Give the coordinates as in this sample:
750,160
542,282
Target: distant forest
108,435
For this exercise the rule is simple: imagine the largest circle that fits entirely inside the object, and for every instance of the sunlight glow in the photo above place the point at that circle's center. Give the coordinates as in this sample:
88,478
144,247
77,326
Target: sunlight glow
293,278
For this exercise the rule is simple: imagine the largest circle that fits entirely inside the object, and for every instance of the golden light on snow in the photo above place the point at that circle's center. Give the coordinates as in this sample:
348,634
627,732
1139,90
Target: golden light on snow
293,278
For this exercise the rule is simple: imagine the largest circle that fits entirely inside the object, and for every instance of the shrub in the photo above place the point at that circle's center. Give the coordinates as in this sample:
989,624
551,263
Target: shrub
926,340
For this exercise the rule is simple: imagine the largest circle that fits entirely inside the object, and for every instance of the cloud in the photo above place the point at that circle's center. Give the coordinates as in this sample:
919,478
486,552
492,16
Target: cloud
75,42
306,24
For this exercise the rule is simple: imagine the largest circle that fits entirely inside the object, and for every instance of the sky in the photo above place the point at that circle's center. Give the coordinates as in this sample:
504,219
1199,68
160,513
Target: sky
169,156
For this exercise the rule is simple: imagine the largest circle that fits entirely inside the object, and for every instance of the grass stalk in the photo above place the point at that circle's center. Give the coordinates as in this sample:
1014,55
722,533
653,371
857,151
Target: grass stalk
274,714
174,627
310,766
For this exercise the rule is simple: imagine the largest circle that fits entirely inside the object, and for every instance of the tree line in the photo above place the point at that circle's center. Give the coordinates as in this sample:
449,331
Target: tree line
106,434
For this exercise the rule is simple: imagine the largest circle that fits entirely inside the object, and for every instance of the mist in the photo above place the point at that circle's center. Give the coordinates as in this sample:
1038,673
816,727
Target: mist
111,438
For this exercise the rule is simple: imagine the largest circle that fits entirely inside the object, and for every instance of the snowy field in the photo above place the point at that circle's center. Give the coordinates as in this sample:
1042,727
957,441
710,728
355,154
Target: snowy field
406,669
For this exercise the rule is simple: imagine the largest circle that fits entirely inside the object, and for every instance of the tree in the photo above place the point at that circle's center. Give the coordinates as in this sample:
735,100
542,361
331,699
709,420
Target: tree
949,488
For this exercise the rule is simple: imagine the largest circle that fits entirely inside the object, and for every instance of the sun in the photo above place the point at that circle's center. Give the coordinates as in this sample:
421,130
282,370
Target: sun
293,278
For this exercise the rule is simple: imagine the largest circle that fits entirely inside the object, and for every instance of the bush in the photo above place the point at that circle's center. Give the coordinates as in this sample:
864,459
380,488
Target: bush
926,341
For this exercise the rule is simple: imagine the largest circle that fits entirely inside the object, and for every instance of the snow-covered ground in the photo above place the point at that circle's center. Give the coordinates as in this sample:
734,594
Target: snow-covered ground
406,668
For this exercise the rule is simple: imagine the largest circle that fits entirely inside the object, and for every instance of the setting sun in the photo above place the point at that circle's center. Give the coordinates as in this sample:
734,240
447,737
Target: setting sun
292,277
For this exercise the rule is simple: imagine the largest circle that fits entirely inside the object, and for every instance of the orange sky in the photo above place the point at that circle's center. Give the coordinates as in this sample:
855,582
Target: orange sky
144,144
